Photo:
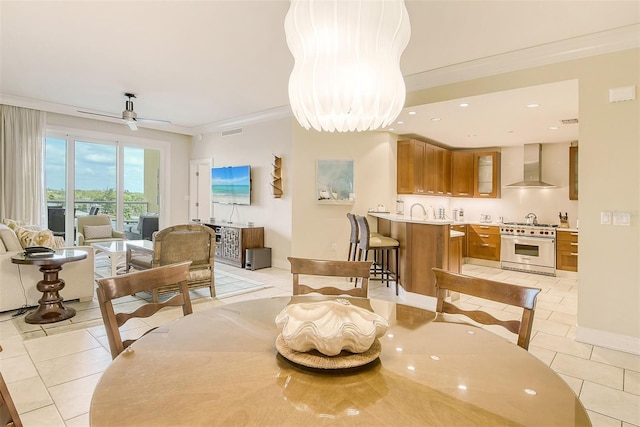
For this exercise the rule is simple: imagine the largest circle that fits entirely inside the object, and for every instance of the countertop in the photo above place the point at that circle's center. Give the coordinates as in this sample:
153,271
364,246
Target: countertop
416,220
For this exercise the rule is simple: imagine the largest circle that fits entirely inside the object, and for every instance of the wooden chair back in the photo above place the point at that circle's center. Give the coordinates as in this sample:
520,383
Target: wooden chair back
506,293
9,416
317,267
111,288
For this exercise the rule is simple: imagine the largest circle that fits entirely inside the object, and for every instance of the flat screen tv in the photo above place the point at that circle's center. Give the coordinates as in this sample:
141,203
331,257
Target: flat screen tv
231,185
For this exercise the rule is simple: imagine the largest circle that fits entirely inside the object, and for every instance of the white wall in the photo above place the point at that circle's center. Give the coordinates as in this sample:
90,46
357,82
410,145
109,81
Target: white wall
316,227
255,146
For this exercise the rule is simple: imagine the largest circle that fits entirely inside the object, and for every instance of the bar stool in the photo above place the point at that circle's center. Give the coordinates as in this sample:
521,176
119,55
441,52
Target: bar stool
381,244
354,238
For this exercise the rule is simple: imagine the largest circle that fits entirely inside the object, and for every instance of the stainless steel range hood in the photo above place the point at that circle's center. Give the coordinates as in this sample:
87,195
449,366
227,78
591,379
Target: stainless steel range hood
532,169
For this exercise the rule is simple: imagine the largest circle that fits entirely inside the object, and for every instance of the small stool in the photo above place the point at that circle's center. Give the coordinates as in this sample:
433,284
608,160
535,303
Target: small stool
381,244
354,238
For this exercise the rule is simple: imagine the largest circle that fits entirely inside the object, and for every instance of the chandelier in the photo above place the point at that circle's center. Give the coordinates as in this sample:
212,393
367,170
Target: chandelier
346,74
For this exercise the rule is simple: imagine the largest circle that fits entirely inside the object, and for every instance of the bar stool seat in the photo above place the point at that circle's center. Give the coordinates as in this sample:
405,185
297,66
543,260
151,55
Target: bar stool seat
354,238
379,244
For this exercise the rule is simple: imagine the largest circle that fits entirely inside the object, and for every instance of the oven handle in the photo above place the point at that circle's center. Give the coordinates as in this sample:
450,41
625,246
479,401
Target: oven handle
528,240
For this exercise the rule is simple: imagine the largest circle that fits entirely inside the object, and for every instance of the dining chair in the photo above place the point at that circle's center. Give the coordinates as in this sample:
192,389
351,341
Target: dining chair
9,416
382,246
330,268
111,288
506,293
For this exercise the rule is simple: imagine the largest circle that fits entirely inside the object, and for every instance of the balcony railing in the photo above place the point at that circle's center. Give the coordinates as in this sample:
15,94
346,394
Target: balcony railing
132,209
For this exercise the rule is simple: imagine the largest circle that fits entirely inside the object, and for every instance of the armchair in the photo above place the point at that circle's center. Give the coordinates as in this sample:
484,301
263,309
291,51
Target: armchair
95,229
144,229
186,242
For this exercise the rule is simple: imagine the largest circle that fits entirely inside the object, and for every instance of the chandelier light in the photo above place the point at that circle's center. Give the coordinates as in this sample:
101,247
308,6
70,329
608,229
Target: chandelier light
347,74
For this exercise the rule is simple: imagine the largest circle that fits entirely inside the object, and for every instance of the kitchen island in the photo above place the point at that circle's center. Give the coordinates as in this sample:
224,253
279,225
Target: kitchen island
424,244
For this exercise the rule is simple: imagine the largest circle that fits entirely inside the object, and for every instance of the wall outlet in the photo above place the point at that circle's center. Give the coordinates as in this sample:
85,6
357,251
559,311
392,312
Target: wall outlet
605,217
333,247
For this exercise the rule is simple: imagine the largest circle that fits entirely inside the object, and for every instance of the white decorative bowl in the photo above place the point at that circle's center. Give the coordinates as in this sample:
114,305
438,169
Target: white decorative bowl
330,327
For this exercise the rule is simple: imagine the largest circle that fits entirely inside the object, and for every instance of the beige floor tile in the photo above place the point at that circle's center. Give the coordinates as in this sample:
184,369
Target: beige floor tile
73,366
563,306
60,345
79,421
610,402
47,416
545,355
8,330
589,370
632,382
549,327
546,297
562,345
574,383
74,397
29,394
616,358
17,368
599,420
567,319
12,347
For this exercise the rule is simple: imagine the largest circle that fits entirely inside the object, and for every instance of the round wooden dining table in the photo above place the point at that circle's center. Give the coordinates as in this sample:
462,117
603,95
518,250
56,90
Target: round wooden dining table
220,366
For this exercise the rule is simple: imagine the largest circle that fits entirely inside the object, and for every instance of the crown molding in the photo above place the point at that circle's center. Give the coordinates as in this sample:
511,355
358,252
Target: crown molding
249,119
614,40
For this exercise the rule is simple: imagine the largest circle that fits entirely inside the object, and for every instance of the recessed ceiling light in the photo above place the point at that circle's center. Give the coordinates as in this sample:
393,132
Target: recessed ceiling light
471,135
553,128
464,104
391,129
412,113
509,131
400,123
532,105
435,119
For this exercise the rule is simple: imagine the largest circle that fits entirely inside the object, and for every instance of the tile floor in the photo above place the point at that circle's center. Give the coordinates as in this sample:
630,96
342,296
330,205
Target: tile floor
52,378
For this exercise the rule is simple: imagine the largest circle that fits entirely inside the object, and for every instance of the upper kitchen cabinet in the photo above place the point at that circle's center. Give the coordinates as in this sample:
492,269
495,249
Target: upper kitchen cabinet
411,154
573,173
420,168
462,174
486,174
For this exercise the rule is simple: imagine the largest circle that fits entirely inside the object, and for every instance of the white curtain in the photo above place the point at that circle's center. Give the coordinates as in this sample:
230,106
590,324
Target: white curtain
22,192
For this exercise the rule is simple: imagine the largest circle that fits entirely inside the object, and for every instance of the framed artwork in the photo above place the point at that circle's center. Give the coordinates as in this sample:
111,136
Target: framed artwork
334,182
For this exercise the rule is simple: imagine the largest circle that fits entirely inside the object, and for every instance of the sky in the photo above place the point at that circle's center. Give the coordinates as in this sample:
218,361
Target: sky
96,166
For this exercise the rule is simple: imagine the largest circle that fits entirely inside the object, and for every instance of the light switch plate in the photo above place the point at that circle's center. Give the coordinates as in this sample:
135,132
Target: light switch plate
605,217
621,218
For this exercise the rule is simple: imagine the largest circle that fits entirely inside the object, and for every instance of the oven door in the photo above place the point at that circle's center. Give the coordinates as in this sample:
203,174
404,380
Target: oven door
533,254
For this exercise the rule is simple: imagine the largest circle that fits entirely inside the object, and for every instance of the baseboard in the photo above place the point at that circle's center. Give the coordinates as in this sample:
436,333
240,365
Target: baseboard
481,262
609,340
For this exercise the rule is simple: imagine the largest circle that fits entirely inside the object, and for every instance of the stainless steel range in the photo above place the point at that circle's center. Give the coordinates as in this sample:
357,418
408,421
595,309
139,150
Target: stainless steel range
528,247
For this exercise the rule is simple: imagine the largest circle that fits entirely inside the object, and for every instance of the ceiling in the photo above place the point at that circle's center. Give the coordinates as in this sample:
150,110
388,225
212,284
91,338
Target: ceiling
210,65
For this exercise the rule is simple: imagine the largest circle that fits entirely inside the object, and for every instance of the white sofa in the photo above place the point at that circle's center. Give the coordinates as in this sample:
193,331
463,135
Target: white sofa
18,282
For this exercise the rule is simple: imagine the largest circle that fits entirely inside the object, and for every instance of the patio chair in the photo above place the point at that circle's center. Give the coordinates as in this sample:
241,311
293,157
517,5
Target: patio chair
95,229
327,268
144,228
111,288
506,293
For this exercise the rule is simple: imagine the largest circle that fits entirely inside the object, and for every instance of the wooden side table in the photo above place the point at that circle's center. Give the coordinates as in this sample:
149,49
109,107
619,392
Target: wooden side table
50,307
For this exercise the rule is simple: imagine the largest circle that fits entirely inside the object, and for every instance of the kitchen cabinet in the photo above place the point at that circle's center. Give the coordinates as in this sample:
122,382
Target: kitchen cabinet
486,174
423,168
567,250
462,174
573,173
463,229
232,242
411,154
484,242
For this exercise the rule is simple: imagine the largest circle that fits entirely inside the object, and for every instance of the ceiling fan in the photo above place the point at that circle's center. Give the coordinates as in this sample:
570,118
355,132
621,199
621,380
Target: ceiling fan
128,115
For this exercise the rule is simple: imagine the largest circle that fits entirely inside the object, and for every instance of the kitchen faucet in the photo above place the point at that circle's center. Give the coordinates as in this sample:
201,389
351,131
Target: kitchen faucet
531,218
424,211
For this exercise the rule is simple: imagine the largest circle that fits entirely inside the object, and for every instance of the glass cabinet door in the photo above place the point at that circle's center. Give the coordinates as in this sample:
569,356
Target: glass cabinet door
486,166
